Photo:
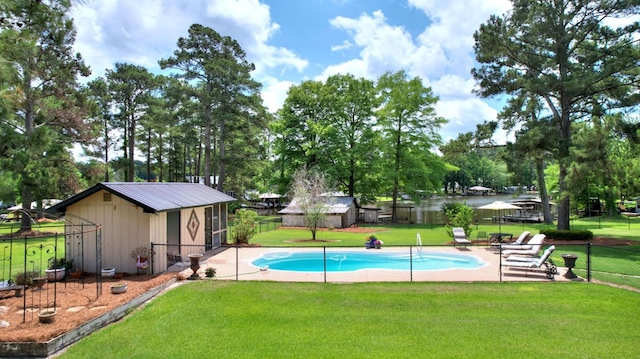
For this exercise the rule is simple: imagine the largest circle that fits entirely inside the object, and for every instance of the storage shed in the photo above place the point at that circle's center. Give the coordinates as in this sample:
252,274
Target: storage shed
181,218
340,213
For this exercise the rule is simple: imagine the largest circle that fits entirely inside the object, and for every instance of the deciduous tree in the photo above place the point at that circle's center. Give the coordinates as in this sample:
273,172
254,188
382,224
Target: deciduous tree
409,126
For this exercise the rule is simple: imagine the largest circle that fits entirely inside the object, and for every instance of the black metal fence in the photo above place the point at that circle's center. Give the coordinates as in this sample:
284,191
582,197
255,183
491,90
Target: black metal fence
263,225
615,265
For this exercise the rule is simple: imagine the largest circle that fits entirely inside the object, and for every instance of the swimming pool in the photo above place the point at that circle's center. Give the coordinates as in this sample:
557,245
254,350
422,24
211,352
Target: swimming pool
347,261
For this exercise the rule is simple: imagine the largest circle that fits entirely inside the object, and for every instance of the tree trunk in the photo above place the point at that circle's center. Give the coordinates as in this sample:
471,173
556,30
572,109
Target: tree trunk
149,154
546,209
132,148
106,151
160,166
396,181
25,221
221,159
207,136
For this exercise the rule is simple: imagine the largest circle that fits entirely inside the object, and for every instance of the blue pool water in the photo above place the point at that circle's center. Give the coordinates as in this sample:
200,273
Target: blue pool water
347,261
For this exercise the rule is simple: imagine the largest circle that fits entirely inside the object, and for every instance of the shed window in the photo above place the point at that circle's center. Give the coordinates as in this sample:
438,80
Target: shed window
106,197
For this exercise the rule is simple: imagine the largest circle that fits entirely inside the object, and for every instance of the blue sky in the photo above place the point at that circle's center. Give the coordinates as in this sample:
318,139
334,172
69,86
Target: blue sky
295,40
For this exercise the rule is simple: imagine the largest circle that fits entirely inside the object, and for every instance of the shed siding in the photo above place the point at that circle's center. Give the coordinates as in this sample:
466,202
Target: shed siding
191,245
297,220
158,233
124,228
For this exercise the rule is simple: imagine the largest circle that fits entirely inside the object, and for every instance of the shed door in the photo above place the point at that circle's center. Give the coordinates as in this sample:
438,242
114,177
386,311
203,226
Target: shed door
208,225
173,232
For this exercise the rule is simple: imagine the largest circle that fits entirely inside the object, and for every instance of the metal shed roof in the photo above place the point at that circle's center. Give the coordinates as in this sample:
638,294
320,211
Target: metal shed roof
154,197
339,205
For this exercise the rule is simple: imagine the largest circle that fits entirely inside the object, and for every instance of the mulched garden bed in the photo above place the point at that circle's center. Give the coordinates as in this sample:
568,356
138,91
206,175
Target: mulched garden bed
72,296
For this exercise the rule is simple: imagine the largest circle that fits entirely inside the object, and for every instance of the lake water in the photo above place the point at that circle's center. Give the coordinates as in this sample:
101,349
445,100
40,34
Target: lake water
430,209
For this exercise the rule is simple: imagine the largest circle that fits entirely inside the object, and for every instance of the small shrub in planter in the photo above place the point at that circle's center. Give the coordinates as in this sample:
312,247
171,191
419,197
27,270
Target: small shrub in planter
56,263
25,278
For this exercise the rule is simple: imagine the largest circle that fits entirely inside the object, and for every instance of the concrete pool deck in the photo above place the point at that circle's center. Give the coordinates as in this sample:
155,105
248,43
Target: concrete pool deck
235,264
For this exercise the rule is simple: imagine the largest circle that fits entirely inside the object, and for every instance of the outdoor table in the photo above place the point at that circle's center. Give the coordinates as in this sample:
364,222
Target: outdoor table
497,237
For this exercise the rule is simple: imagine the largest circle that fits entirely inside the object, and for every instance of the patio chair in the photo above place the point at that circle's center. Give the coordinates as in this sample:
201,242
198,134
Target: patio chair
519,243
550,268
459,237
535,243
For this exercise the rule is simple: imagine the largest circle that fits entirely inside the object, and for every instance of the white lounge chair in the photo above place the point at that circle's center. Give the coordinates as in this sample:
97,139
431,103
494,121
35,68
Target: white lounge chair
533,263
535,243
519,243
459,237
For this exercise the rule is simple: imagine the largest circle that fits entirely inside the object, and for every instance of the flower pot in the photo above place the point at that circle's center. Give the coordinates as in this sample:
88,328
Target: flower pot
55,275
39,282
47,316
119,288
75,275
108,272
195,265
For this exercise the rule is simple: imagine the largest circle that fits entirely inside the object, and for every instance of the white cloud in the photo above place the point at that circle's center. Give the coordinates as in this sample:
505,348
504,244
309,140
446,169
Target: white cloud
249,22
355,67
144,31
453,87
274,92
376,38
463,116
442,55
346,44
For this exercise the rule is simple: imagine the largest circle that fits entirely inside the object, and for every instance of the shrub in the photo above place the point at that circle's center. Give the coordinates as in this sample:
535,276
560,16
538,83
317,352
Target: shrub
244,226
459,215
58,263
25,278
568,235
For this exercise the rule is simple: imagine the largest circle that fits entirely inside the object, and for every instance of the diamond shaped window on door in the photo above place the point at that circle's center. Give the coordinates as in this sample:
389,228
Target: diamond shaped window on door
193,224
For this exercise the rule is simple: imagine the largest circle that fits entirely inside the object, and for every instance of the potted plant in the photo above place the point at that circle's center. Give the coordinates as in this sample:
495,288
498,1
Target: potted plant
68,266
377,243
75,274
57,269
370,241
210,272
118,288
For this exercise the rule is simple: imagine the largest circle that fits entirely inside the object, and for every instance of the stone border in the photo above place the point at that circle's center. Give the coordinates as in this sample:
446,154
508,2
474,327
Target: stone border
45,349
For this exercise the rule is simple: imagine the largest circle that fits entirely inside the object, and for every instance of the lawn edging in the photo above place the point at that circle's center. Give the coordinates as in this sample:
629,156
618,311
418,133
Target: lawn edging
45,349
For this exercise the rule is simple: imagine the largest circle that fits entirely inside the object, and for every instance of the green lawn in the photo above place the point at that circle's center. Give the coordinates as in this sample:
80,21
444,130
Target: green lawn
405,234
38,250
214,319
